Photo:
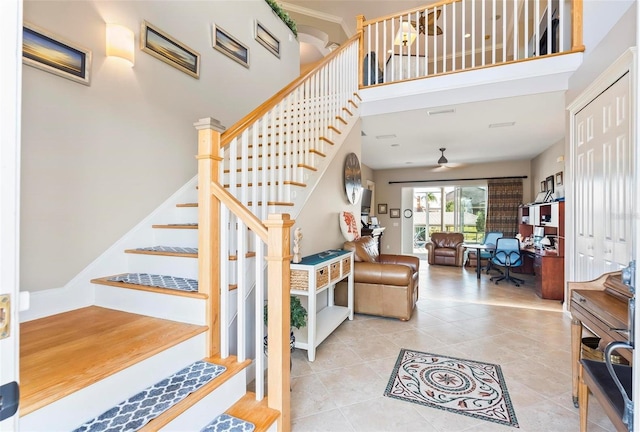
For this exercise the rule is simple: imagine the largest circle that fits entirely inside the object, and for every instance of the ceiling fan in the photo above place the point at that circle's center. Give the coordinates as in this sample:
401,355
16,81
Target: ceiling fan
443,162
429,25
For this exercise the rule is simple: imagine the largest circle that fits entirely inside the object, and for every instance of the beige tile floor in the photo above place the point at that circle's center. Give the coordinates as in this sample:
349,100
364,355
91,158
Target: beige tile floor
457,315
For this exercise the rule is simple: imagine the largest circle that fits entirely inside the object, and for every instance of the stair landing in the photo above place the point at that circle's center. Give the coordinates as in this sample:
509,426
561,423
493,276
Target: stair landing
67,352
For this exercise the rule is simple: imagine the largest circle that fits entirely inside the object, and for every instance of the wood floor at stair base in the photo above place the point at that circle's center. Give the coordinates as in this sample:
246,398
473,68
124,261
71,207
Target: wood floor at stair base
76,365
184,309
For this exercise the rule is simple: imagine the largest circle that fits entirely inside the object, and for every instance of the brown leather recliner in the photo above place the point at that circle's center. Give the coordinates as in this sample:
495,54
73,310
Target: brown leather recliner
384,285
446,248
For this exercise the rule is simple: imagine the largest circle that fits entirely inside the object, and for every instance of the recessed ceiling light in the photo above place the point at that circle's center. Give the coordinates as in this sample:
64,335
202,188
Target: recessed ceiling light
505,124
444,111
385,136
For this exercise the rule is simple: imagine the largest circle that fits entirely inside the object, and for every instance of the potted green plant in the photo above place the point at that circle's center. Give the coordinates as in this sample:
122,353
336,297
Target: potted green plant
298,320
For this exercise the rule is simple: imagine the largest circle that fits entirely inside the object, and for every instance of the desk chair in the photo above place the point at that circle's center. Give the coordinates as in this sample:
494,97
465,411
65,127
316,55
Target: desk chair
507,255
490,238
610,383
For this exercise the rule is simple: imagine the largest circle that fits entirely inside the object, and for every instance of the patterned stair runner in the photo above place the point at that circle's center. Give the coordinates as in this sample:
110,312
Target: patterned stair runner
135,412
225,423
173,249
161,281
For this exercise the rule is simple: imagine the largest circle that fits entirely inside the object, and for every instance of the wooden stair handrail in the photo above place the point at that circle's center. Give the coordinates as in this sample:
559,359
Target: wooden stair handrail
261,110
236,207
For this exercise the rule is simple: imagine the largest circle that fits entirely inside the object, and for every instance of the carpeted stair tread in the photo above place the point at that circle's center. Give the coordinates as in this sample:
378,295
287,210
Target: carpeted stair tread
224,422
187,252
135,412
163,284
160,281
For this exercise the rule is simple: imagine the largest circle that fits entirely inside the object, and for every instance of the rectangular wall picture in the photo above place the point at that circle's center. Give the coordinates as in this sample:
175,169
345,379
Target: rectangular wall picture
267,40
48,52
229,46
164,47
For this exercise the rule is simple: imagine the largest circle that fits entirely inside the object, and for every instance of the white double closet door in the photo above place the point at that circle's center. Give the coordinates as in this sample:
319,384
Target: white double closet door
603,166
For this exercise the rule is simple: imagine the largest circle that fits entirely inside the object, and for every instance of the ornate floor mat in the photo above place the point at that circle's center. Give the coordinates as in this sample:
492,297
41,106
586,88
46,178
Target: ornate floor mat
456,385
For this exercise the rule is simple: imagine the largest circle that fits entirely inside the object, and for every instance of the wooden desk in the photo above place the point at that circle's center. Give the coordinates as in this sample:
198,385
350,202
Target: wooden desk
601,306
548,267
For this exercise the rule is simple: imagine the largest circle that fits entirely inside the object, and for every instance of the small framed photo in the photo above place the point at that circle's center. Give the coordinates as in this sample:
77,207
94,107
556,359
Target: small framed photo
549,184
559,178
164,47
543,186
394,213
382,209
229,46
267,40
50,53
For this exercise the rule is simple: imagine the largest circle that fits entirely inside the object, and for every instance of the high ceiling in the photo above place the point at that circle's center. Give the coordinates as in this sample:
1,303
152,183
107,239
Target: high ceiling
529,121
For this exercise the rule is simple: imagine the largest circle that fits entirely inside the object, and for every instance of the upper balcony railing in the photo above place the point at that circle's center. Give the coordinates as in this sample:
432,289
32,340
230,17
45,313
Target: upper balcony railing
459,35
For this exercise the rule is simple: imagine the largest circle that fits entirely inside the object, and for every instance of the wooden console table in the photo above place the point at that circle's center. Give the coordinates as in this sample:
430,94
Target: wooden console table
311,276
601,306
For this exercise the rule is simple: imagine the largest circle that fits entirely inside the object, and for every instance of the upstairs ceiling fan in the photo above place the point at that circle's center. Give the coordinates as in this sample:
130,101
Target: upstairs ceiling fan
429,27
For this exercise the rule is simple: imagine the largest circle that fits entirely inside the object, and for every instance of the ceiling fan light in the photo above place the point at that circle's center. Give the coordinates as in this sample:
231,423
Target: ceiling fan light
442,161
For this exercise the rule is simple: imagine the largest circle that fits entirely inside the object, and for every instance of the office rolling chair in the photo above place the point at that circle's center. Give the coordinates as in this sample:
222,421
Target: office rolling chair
490,238
508,256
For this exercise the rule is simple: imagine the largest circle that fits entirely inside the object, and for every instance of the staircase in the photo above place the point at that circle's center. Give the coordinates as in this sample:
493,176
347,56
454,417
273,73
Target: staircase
175,330
171,340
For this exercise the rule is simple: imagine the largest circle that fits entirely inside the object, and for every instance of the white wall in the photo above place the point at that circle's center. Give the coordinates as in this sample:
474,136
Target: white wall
548,163
98,159
319,220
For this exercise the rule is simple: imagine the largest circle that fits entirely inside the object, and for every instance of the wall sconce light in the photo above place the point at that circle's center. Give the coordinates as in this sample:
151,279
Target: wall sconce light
406,35
120,42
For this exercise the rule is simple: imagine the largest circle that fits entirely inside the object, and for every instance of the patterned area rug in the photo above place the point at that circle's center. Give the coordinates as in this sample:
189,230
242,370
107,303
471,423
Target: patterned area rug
456,385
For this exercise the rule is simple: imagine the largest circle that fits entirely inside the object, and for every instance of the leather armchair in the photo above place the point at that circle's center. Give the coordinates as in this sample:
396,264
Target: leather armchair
446,248
384,285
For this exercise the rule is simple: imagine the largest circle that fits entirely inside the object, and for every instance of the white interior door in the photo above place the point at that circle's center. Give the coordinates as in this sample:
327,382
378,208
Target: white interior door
10,85
603,162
